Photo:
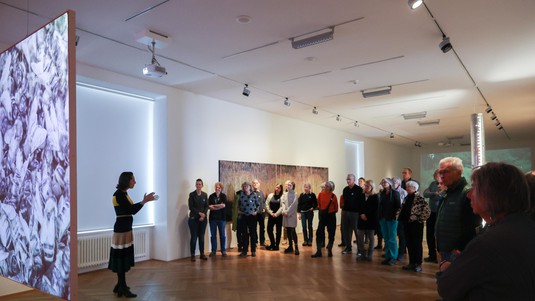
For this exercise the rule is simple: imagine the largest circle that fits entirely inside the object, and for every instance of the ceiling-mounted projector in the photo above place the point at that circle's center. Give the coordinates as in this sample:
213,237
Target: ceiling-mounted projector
154,70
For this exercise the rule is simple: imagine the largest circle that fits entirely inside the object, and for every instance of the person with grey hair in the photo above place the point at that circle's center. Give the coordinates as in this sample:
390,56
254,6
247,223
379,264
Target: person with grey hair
456,223
247,209
368,222
414,212
498,264
350,202
327,206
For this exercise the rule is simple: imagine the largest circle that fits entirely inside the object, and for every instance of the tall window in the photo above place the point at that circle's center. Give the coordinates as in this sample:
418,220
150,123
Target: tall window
355,158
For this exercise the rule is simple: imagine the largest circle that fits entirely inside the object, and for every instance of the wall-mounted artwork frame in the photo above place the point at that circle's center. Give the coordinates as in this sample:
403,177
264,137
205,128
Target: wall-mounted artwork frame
233,173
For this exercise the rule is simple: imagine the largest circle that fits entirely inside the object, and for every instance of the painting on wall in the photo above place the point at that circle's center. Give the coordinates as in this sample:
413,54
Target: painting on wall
233,173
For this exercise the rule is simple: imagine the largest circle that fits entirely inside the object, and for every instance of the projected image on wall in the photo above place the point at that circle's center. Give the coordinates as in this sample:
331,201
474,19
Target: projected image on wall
34,171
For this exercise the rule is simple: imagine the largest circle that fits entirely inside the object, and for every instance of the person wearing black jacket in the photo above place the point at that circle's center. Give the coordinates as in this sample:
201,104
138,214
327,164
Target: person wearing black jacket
351,199
389,207
306,204
368,221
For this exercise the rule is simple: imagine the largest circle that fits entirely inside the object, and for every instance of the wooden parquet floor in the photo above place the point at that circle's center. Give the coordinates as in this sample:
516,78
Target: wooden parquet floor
269,276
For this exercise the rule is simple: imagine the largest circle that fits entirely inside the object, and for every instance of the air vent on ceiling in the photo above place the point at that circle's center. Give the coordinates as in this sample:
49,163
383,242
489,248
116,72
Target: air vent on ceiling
417,115
429,122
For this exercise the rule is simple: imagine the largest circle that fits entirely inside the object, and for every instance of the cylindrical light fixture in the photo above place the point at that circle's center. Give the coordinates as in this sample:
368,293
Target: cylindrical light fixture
477,140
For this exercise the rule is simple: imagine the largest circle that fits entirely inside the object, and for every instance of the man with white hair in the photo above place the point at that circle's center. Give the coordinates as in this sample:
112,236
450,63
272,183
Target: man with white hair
456,223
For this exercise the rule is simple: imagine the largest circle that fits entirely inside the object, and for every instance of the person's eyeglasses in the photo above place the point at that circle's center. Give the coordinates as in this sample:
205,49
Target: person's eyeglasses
443,171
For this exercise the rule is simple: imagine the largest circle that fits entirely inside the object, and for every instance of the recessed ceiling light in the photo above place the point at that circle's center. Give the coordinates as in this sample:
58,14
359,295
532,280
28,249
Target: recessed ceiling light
243,19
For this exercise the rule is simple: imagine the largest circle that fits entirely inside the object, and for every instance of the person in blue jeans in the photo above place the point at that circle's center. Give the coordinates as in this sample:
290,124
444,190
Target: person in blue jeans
306,205
217,202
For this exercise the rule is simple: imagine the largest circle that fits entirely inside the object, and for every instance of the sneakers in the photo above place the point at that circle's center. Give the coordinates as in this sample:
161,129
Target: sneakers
224,254
296,252
316,255
431,259
253,254
347,251
212,254
203,257
418,269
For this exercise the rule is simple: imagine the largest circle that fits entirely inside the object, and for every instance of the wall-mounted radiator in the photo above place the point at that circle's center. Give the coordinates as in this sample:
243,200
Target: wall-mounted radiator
94,248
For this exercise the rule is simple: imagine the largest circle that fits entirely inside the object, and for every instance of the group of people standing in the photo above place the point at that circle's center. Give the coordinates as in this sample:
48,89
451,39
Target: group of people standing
494,262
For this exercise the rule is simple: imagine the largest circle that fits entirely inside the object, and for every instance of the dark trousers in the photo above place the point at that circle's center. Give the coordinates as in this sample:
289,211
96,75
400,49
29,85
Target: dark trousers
277,223
239,232
248,225
401,238
292,237
329,222
306,222
414,234
260,217
197,230
349,226
430,235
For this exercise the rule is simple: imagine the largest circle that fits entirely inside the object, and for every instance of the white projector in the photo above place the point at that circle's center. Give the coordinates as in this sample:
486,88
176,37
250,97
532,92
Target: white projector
154,70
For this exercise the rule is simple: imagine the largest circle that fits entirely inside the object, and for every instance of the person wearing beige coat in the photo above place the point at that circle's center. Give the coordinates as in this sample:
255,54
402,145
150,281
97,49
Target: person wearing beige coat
289,213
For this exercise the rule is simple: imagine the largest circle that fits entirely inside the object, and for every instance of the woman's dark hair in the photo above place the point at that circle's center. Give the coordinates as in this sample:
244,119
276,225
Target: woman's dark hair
281,190
503,187
124,180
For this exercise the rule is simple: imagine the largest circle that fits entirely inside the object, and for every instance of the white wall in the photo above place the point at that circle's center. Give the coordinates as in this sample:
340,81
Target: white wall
194,132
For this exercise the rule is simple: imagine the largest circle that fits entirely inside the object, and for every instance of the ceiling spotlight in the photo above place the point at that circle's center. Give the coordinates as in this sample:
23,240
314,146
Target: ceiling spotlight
376,91
500,127
445,45
325,35
488,109
356,124
154,69
246,90
338,118
497,122
493,116
315,111
391,135
287,102
413,4
417,144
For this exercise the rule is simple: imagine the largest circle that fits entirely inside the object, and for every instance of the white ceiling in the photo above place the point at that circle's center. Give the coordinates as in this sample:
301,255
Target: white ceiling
376,43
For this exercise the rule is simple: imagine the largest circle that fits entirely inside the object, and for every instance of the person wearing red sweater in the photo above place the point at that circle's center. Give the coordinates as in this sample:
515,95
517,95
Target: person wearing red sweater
327,206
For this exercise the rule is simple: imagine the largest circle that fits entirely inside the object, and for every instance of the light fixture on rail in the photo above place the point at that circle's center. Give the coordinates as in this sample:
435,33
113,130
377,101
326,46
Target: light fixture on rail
287,102
315,111
413,4
338,118
356,124
246,90
445,45
391,135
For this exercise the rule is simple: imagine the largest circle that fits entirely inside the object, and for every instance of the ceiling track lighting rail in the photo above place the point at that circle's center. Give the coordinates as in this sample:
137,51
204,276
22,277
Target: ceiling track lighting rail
446,46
